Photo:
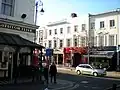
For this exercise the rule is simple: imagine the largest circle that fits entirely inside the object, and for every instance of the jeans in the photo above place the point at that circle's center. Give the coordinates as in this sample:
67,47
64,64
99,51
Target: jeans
54,78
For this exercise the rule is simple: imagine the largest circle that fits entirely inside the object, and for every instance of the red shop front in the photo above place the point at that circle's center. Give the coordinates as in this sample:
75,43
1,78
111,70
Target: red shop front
73,55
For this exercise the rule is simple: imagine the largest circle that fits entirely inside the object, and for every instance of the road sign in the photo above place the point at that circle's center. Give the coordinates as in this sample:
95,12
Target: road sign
49,52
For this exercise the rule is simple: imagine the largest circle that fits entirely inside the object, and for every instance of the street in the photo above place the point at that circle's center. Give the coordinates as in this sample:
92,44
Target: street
70,81
89,82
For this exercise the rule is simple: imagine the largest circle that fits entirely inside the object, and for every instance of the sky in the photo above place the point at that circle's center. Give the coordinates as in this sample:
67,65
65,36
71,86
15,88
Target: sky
56,10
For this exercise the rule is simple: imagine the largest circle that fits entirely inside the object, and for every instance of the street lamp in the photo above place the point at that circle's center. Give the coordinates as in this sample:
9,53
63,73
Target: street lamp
37,4
118,62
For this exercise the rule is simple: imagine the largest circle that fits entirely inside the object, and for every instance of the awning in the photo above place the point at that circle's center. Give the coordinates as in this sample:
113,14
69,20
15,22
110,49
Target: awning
16,40
105,54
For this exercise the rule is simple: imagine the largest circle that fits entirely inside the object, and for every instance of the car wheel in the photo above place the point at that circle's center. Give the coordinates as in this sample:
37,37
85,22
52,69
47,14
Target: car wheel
78,72
95,74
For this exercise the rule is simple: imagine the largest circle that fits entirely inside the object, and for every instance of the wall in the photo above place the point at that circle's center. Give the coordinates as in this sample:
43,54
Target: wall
22,6
107,29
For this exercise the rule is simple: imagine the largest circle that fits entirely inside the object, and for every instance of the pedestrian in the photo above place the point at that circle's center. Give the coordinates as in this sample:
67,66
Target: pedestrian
45,72
53,72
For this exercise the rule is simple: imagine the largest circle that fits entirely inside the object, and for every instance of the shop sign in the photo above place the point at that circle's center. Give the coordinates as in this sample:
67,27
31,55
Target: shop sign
14,27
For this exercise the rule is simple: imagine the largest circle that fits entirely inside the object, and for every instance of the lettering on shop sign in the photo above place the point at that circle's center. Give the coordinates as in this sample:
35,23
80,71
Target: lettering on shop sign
14,27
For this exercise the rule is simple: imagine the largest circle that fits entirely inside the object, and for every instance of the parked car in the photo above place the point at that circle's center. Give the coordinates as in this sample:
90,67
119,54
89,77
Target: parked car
89,69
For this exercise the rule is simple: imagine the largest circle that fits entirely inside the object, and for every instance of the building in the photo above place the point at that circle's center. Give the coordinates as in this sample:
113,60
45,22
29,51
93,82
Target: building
69,32
17,33
104,28
99,33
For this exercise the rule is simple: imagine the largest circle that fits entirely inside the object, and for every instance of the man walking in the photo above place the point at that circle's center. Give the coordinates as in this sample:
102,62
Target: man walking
53,72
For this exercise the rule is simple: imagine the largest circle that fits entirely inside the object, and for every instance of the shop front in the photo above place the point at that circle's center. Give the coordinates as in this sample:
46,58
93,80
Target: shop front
73,55
15,51
104,57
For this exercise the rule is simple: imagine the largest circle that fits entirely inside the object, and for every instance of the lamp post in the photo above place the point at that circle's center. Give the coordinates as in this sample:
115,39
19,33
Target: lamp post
118,62
37,4
89,38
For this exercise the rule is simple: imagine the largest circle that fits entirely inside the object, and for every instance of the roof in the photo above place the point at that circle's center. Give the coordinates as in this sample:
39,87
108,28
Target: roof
58,23
106,13
16,40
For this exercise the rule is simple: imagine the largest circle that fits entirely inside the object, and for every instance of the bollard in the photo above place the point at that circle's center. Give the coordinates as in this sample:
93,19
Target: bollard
114,87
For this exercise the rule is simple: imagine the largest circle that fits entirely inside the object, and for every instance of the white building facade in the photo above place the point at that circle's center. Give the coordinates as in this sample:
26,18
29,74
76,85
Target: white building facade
11,12
106,31
17,34
70,32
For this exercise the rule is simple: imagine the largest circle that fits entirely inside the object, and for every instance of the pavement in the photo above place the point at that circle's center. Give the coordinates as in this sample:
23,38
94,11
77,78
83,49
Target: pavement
27,84
112,74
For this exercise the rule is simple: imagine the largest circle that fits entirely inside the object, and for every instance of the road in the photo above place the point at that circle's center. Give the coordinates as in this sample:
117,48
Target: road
89,82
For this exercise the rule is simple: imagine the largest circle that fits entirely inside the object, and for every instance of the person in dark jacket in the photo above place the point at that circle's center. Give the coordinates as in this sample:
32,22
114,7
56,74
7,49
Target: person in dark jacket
45,72
53,72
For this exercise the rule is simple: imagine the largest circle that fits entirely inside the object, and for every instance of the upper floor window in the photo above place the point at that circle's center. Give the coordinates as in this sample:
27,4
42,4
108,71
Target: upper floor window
93,25
50,32
55,43
102,24
75,42
61,30
111,40
112,23
55,31
61,43
76,28
37,34
83,27
7,7
68,42
50,43
83,41
101,40
45,44
68,29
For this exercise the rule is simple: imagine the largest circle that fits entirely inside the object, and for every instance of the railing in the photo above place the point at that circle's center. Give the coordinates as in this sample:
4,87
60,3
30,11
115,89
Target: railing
114,87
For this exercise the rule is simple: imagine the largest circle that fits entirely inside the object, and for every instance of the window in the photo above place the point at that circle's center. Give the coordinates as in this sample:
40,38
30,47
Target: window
36,34
68,42
95,40
61,30
101,40
111,40
112,23
55,43
50,43
50,32
105,40
88,67
93,25
83,27
61,43
68,29
7,7
82,41
82,66
45,44
102,24
76,28
55,31
75,42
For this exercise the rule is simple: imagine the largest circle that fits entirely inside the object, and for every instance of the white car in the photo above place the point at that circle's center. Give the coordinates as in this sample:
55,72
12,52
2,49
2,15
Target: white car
88,69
